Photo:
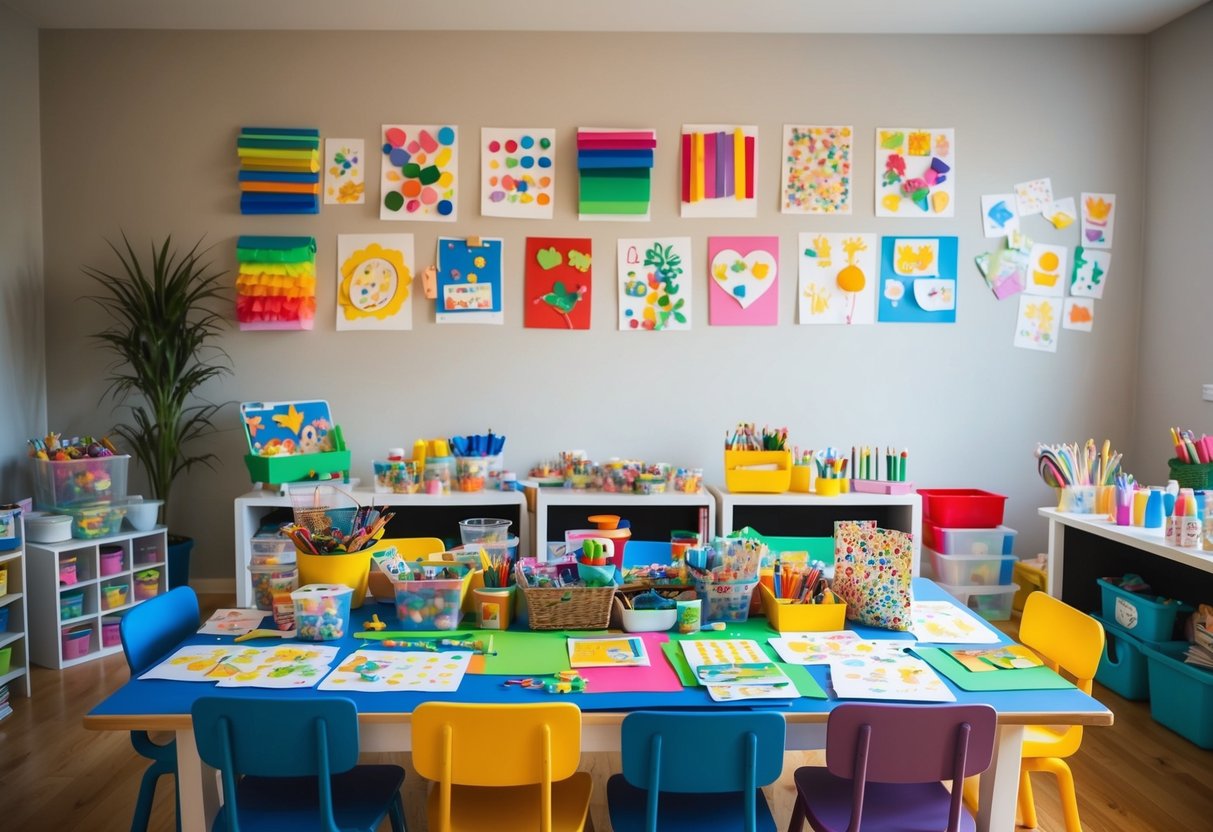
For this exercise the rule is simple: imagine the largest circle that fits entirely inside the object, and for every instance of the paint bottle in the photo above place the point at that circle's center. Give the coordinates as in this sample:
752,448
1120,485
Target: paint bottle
1153,515
1189,535
1175,521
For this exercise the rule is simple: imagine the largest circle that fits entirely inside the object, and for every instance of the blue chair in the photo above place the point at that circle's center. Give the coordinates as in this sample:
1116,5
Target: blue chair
149,632
290,764
696,771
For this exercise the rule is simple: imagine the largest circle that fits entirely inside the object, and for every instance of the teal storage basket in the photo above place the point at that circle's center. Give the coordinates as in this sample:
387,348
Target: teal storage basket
1141,615
1123,668
1181,695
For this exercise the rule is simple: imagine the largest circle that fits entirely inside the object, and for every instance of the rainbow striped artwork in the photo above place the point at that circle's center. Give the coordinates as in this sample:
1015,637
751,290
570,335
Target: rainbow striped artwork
719,170
279,170
615,173
276,282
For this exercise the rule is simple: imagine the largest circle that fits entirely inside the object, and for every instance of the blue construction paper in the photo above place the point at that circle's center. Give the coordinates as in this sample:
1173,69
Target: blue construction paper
906,310
278,176
281,131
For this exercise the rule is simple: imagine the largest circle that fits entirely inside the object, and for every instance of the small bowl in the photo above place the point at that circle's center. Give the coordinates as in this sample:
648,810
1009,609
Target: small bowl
648,621
142,515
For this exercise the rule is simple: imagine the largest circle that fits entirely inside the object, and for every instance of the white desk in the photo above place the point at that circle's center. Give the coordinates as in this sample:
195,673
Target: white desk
652,516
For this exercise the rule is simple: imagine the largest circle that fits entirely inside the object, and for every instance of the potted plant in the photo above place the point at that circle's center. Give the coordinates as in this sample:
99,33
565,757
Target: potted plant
163,323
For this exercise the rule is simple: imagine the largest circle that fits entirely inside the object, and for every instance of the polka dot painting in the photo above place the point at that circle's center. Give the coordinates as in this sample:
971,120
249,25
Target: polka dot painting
517,172
418,174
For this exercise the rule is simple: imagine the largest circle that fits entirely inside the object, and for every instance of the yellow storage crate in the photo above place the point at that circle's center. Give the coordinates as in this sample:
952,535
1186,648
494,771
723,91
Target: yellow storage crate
1031,576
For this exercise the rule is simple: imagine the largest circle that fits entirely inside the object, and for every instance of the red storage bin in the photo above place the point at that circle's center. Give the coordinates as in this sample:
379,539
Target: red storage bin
962,508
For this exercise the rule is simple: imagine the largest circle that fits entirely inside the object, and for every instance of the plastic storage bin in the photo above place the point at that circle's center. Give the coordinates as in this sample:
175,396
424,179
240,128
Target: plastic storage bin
114,596
67,570
111,633
972,570
1124,668
962,508
48,528
111,560
802,618
71,605
1142,615
1030,577
3,581
9,528
6,659
3,619
999,540
96,520
76,481
396,477
322,611
993,603
725,601
76,642
430,605
270,580
1181,694
272,547
758,472
147,584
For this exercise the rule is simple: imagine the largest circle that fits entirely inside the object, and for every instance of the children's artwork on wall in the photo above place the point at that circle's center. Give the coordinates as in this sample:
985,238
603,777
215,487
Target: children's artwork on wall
1098,219
281,428
917,280
374,281
1047,270
1062,213
914,172
557,272
998,214
655,281
1005,271
816,171
276,282
1079,314
719,170
1038,323
837,278
615,168
1033,197
1090,274
418,172
279,170
469,281
344,172
743,281
517,172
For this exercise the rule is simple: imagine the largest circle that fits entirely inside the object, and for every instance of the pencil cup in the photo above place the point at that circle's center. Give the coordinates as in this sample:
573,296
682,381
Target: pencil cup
1140,498
1105,501
1079,499
800,478
689,620
829,487
494,607
1124,513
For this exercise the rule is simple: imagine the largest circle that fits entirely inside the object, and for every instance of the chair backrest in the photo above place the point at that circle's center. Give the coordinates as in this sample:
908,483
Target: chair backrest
274,737
717,751
1064,637
150,630
416,548
531,744
909,744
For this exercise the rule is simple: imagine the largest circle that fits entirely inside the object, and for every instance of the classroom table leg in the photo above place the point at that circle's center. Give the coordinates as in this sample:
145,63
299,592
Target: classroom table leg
198,784
1000,783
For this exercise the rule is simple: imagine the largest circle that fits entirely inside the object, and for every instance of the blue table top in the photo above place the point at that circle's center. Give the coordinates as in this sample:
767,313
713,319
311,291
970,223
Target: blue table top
157,697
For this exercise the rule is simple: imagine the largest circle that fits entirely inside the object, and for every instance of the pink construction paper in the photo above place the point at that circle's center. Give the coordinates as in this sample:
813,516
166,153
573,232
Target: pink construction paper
611,135
723,310
658,677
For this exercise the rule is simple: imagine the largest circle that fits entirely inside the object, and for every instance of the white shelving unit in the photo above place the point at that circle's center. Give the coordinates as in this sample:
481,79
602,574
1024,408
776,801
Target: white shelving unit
140,551
15,601
652,516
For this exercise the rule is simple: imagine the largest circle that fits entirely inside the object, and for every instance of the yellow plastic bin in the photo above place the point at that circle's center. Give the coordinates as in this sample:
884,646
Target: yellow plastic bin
1031,577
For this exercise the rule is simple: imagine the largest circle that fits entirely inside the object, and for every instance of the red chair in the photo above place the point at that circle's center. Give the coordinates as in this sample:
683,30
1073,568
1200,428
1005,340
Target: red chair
884,764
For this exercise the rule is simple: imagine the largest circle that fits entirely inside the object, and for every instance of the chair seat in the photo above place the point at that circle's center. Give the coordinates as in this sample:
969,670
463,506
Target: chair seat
506,808
678,810
360,800
1051,740
887,807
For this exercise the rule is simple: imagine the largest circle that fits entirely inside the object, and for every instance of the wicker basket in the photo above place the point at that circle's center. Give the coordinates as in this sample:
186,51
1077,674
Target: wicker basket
568,607
1199,476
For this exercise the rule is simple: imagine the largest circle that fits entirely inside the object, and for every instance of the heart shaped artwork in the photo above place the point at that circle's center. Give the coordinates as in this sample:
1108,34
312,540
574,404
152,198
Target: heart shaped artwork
747,278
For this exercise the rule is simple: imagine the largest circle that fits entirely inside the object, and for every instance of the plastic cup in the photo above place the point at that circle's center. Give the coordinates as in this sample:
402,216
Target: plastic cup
494,607
322,611
689,618
482,530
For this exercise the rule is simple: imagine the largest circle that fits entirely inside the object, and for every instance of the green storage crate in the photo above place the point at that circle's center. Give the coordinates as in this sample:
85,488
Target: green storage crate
298,467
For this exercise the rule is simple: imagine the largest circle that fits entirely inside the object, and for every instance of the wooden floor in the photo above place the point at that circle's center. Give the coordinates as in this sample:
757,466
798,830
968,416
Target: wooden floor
54,775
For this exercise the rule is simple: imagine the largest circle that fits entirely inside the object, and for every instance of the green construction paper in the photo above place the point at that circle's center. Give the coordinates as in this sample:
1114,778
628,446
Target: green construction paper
613,207
678,661
615,188
755,629
1023,678
534,653
803,680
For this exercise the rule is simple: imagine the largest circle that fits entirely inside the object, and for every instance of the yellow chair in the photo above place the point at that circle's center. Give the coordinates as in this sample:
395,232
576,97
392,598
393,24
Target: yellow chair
502,767
1069,642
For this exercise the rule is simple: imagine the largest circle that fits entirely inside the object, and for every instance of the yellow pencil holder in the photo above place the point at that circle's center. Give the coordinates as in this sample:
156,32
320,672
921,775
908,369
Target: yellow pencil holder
829,487
787,617
351,569
800,478
758,472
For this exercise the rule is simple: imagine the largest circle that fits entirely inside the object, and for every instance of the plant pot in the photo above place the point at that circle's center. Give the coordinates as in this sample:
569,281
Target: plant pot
179,548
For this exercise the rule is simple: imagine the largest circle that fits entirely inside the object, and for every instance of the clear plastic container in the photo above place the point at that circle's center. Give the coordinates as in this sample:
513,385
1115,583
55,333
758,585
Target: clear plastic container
992,603
482,530
999,540
270,580
439,474
726,601
322,611
429,605
76,481
96,520
396,477
471,473
972,570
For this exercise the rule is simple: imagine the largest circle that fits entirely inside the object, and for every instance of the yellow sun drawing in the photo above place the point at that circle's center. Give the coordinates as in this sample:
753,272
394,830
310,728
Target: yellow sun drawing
374,283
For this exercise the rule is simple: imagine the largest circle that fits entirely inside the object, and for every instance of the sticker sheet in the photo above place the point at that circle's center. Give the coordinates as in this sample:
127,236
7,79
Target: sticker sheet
915,174
344,172
1038,323
557,274
615,173
999,215
1098,219
517,172
1033,197
743,281
655,281
813,648
942,622
374,281
469,281
398,670
1079,314
917,280
837,278
1047,268
897,677
418,172
621,651
816,171
1090,274
719,170
232,665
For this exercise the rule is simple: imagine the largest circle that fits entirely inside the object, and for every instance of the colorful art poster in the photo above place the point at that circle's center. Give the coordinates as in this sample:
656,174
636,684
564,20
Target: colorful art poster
469,281
897,677
418,172
279,170
1005,271
395,670
615,173
917,280
1061,214
1047,270
743,281
1079,314
655,282
1090,274
1098,219
374,281
295,427
1034,197
837,278
998,214
719,170
915,174
517,172
816,171
557,282
344,172
1038,323
276,282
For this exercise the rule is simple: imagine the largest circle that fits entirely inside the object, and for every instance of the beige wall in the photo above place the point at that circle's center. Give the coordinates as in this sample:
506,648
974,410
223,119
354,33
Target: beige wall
1176,352
22,351
139,134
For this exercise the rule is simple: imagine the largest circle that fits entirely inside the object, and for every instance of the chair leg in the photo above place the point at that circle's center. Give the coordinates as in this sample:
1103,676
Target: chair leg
1065,789
1027,804
396,814
797,822
147,793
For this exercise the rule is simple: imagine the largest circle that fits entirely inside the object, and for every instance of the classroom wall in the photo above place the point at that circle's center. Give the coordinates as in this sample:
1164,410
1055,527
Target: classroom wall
139,135
22,348
1176,357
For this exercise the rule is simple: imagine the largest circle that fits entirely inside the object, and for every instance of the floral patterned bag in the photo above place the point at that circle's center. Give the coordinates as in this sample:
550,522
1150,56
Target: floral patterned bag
872,574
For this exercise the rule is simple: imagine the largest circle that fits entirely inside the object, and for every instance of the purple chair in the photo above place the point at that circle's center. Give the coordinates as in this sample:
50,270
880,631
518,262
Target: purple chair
884,764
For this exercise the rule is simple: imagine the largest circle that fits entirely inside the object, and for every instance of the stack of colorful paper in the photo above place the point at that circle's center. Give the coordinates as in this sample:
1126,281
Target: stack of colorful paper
615,169
276,283
717,164
279,170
